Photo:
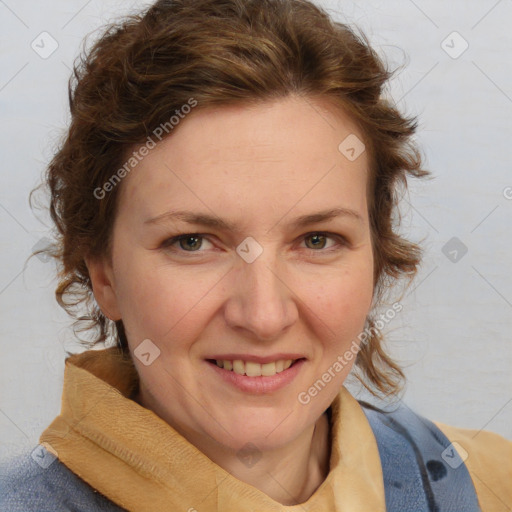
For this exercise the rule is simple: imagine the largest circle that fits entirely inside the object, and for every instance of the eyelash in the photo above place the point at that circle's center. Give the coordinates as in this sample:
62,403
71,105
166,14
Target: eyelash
341,242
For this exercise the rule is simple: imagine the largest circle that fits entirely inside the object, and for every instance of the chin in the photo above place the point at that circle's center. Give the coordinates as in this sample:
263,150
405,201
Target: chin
265,429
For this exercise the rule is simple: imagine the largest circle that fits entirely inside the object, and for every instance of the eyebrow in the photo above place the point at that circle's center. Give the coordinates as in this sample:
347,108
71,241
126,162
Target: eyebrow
212,221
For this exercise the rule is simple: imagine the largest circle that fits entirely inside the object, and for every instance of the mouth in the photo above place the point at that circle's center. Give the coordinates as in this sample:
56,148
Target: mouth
257,378
254,369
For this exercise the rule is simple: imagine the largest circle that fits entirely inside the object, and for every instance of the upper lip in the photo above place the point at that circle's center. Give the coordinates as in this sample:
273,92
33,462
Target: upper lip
256,359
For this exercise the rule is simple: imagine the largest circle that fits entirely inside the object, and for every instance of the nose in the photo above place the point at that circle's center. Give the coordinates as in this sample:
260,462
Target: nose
260,301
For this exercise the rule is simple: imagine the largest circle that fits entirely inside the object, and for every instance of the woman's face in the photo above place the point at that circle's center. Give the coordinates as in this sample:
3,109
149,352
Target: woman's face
277,265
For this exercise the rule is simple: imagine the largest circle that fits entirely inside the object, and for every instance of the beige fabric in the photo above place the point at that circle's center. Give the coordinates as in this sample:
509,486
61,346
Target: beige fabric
489,462
141,463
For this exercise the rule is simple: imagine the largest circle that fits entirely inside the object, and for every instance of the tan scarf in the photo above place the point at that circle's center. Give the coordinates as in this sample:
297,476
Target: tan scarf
141,463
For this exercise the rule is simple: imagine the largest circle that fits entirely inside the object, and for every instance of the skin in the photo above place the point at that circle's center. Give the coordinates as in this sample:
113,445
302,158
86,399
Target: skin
258,167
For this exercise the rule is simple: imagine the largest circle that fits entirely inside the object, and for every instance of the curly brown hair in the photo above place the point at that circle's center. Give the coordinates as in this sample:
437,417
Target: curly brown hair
144,68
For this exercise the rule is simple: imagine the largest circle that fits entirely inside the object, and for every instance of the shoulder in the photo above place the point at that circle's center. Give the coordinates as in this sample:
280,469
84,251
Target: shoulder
488,457
458,464
37,481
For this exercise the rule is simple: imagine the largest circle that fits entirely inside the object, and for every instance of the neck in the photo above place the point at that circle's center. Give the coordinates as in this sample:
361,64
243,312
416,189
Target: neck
289,474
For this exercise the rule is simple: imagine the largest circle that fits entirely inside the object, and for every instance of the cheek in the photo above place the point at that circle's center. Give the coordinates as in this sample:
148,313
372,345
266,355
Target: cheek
343,303
157,302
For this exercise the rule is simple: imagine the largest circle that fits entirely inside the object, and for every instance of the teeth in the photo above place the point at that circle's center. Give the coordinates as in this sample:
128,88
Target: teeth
268,369
252,369
238,367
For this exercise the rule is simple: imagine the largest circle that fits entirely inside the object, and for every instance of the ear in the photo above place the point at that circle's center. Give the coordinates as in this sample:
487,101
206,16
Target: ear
103,286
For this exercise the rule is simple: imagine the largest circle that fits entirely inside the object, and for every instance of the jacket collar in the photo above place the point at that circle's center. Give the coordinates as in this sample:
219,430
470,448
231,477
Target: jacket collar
141,463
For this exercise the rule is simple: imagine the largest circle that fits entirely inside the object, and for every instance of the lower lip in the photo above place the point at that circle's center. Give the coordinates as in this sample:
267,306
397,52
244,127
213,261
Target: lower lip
259,385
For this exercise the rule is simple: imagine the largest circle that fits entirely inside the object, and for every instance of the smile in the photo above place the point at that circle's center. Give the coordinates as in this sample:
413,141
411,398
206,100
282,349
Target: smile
253,369
257,378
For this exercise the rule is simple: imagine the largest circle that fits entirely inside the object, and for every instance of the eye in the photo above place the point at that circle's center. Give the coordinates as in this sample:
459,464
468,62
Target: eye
190,242
317,241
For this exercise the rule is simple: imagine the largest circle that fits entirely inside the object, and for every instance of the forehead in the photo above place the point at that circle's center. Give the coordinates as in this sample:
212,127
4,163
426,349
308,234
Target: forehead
275,153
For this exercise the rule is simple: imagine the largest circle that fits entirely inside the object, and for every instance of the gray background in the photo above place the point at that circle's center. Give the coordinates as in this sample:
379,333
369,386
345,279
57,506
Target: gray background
453,335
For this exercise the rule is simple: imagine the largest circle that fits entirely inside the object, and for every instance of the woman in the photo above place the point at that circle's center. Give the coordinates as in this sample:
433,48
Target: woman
225,202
